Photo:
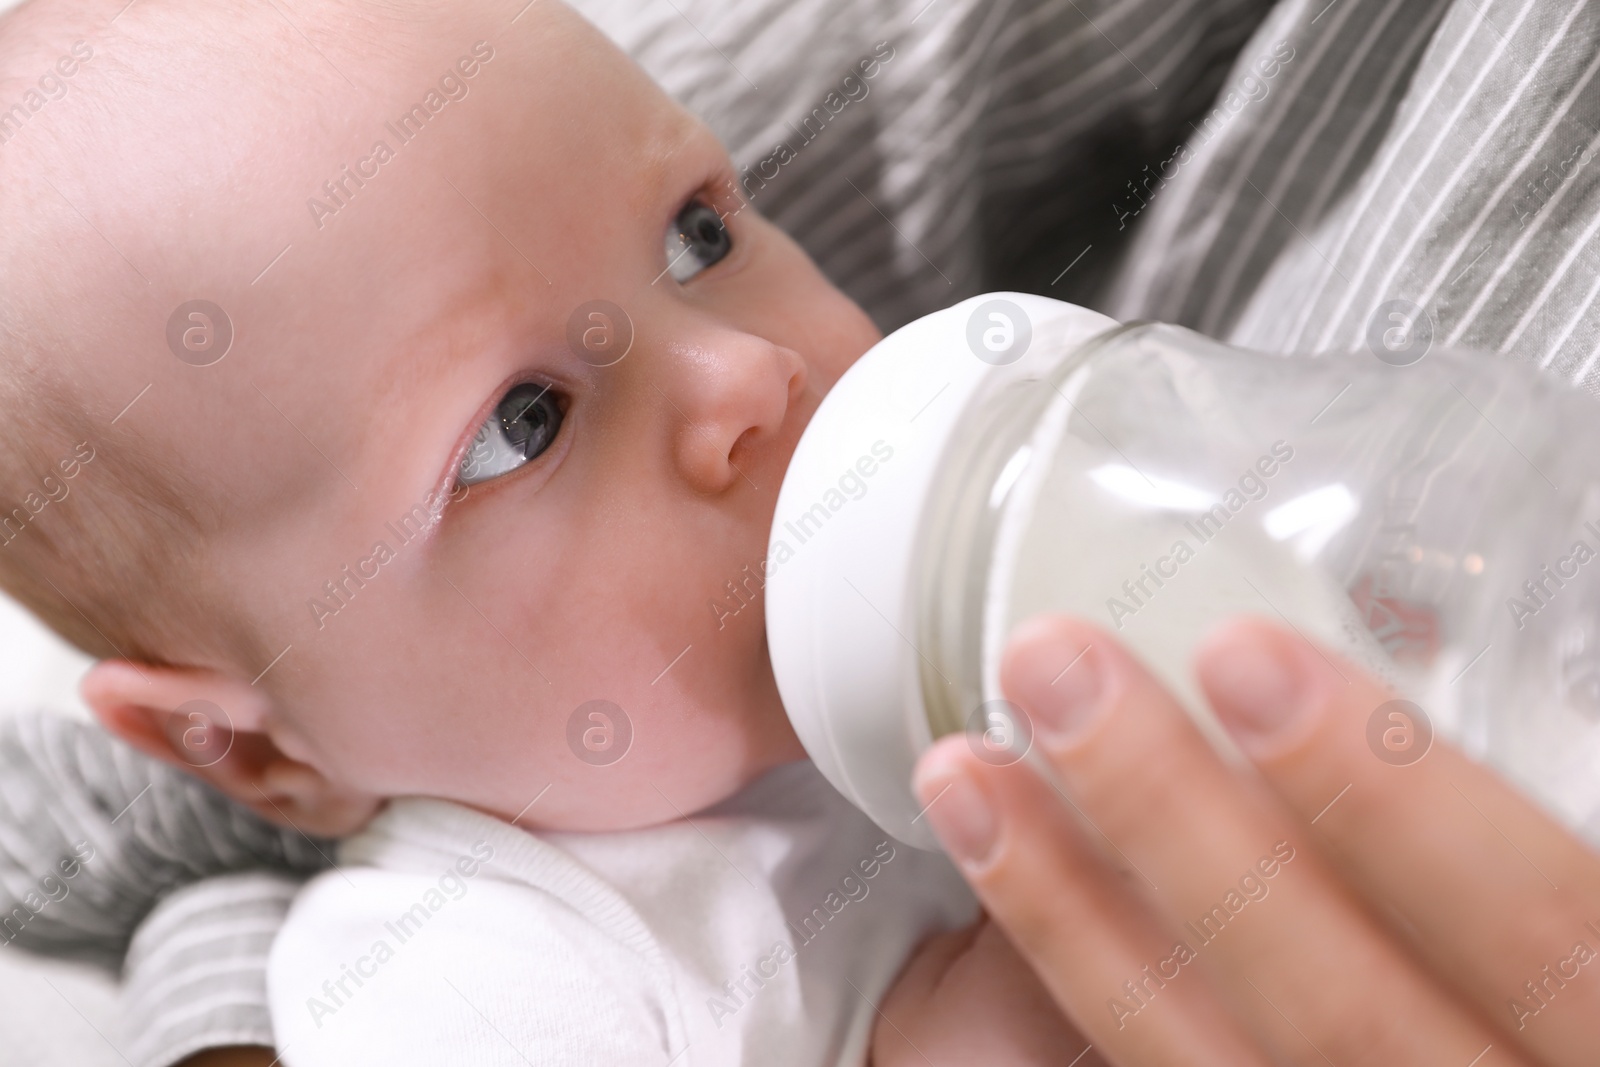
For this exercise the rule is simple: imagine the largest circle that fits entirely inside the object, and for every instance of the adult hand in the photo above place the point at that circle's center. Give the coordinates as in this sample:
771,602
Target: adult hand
1329,907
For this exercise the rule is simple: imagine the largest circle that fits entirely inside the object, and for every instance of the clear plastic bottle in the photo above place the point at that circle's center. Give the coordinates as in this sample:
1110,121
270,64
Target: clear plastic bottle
1438,522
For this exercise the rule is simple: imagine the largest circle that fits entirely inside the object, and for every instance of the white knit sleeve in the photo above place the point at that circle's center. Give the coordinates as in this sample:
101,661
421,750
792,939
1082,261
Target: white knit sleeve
378,966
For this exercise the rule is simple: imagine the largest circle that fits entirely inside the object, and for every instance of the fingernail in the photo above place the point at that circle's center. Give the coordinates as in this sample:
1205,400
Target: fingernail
1062,693
960,813
1258,683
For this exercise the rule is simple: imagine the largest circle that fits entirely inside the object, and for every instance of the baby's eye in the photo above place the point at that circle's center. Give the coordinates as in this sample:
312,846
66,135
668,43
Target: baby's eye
520,428
696,240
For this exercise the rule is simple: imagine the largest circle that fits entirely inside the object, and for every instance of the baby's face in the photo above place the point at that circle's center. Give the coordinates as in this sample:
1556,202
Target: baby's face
426,336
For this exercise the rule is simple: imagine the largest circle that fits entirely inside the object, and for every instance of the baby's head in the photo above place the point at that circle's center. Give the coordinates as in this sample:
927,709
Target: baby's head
432,499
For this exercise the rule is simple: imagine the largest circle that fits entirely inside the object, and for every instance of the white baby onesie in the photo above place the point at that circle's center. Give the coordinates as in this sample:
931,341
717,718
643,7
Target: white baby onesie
760,932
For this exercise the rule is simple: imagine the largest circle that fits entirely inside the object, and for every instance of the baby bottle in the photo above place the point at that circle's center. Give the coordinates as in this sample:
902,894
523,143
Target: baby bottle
1433,516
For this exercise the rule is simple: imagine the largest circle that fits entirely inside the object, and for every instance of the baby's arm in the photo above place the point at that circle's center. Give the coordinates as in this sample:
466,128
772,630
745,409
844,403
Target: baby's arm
94,835
969,997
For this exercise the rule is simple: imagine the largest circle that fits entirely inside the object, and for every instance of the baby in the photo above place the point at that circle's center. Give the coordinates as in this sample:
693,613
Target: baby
423,376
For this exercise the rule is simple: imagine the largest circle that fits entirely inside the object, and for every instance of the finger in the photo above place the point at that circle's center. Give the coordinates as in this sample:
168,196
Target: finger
994,964
905,1008
1311,974
1071,917
1502,901
978,1002
929,964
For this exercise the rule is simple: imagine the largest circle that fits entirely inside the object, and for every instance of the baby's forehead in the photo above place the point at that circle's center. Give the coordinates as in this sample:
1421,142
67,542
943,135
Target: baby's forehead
359,215
210,144
237,70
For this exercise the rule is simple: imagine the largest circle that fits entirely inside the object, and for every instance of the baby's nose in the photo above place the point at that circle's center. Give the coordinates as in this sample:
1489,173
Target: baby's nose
729,393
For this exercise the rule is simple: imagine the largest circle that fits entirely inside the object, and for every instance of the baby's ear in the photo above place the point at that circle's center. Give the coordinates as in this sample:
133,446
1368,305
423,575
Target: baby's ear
213,726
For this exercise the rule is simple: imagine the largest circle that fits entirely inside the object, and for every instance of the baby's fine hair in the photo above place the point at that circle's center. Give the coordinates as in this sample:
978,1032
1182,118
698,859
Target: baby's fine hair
100,536
96,539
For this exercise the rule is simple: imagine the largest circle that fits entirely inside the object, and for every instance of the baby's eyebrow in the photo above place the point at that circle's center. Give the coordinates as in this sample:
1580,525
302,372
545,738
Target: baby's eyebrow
476,316
483,310
658,159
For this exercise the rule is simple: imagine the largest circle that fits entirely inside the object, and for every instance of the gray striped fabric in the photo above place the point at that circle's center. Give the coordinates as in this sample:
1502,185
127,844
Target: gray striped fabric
1432,152
195,975
1266,173
998,134
93,835
1412,149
